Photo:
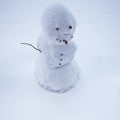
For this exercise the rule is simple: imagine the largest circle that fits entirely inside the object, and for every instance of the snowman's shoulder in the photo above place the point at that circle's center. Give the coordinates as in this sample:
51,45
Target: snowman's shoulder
42,42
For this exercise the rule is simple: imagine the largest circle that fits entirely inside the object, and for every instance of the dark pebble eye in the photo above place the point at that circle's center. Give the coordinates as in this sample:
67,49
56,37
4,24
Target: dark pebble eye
57,28
57,39
61,54
70,27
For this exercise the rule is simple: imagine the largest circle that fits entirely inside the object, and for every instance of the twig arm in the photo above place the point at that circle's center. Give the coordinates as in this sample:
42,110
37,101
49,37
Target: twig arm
31,46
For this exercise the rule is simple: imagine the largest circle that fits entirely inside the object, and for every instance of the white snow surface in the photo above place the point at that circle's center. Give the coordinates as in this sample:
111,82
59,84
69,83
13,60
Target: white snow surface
96,96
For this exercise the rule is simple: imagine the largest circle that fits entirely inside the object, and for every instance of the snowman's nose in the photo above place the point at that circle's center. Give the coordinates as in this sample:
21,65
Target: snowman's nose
67,34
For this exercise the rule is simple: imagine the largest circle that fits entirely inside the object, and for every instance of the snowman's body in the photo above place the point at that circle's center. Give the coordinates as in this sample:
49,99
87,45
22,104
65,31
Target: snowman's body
55,69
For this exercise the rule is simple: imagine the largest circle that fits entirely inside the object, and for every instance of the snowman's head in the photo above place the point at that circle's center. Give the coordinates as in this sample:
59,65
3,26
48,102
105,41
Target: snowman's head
59,24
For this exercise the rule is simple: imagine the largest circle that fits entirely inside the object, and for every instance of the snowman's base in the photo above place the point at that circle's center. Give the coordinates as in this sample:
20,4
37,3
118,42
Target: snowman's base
59,79
48,88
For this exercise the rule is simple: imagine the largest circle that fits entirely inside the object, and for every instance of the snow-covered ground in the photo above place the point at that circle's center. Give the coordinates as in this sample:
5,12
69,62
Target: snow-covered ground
96,96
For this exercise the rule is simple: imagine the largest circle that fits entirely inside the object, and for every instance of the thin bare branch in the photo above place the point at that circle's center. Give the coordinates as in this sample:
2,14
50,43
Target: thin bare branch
31,46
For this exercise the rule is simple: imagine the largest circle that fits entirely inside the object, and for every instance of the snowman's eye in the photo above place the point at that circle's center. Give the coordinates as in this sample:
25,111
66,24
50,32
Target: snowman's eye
57,28
70,27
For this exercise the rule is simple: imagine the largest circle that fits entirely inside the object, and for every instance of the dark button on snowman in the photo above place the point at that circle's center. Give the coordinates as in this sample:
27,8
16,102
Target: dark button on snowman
56,69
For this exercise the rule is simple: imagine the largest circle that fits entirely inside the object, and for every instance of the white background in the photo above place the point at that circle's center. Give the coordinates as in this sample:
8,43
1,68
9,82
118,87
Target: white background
96,96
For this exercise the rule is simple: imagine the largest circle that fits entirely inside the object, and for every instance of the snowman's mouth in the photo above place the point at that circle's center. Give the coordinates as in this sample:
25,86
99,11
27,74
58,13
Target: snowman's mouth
65,41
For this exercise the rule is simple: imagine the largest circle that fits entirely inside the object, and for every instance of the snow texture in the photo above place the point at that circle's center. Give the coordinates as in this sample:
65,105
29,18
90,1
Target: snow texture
97,35
55,69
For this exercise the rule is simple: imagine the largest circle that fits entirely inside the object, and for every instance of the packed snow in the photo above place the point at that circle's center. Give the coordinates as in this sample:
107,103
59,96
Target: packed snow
55,68
97,94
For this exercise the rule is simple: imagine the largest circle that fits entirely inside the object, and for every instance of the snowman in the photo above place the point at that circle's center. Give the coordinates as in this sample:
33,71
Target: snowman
55,68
